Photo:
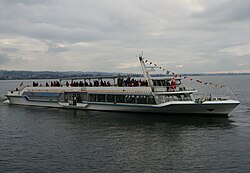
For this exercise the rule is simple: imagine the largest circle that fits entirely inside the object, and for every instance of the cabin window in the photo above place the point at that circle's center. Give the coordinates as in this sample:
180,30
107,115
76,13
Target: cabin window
130,99
92,97
187,97
84,97
141,99
151,100
120,98
101,98
111,98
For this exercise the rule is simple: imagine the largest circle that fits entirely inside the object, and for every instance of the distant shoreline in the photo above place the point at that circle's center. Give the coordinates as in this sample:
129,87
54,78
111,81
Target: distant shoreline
29,75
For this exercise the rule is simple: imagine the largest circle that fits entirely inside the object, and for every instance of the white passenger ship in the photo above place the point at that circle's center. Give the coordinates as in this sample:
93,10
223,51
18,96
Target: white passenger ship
152,95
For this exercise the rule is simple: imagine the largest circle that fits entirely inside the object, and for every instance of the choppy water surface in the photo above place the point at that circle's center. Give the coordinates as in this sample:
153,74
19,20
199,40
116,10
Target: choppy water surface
36,139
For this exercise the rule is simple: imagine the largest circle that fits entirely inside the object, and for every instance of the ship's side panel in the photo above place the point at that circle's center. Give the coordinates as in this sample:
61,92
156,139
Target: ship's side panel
33,96
216,109
219,108
20,100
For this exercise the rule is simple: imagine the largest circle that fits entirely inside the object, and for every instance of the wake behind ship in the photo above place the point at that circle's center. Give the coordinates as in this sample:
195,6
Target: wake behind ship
165,95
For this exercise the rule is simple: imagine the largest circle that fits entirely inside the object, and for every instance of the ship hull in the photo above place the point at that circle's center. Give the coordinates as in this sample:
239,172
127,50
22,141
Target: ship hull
213,108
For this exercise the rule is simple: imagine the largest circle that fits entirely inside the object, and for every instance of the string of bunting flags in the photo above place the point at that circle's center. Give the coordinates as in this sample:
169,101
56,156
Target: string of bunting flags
146,61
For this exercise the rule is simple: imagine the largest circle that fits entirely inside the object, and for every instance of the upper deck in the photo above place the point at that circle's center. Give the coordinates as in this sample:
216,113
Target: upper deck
119,85
101,90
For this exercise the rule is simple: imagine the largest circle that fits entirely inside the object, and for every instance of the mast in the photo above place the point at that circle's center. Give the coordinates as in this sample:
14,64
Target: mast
146,73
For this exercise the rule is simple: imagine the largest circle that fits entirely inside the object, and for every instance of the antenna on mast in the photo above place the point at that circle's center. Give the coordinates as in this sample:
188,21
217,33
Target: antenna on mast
140,55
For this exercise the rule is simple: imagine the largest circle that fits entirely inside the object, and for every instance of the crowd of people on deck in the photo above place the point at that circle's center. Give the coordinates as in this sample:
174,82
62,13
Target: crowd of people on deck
131,82
35,84
52,84
86,84
121,82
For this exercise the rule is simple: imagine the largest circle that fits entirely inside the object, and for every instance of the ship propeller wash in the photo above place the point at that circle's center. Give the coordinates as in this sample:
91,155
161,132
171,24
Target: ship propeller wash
165,95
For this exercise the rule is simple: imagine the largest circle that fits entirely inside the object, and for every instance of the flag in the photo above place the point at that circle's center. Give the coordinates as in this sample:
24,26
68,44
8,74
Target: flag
199,81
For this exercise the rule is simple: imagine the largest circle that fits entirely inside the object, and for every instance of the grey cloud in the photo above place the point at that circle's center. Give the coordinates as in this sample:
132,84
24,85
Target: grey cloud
22,1
9,49
226,11
57,47
221,64
113,32
78,20
4,58
45,31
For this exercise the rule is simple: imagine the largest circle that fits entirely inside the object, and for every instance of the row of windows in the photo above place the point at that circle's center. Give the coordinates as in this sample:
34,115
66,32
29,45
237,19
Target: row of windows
133,99
42,95
178,97
137,99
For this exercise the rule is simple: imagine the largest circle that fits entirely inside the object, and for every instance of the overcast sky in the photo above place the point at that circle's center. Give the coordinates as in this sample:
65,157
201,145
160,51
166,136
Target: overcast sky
107,35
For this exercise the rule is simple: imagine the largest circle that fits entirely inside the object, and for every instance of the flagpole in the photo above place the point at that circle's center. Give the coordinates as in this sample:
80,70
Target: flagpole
146,73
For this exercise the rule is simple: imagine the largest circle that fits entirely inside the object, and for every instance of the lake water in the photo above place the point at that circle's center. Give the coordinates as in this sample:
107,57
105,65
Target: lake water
34,139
